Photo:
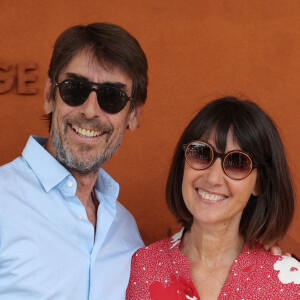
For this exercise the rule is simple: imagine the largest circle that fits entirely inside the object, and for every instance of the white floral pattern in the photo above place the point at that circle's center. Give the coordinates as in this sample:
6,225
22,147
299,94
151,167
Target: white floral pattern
176,238
289,270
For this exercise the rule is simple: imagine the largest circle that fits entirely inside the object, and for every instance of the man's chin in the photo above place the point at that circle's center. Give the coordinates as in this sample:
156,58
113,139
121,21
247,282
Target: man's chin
85,171
81,167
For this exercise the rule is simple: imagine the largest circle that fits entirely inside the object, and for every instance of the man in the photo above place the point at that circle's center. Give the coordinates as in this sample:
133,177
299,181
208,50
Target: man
55,242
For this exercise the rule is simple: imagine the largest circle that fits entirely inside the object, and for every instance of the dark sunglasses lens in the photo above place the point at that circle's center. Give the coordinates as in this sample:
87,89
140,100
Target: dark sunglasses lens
111,100
74,92
237,165
198,155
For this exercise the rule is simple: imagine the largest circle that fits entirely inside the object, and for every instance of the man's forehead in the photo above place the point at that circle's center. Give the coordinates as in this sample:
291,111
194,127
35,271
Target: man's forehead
87,59
87,65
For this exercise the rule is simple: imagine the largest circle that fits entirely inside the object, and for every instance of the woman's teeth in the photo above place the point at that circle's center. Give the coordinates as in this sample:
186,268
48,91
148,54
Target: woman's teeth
210,197
86,132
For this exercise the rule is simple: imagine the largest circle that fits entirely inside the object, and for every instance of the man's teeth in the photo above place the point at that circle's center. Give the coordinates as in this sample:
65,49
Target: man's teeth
210,197
86,132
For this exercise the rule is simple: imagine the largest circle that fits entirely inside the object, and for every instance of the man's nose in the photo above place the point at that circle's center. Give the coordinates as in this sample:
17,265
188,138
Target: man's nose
90,108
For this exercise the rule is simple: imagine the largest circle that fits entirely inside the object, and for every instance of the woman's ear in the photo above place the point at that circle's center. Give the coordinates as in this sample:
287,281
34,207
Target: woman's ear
256,190
48,102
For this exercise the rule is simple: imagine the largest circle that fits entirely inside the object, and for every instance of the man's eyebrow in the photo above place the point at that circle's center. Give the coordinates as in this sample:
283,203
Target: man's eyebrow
76,76
117,84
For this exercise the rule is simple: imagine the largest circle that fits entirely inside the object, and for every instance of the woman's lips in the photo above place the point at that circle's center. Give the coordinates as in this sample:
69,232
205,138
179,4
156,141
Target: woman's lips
209,196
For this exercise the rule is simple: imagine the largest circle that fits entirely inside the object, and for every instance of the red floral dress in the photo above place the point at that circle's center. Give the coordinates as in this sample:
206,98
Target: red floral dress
161,272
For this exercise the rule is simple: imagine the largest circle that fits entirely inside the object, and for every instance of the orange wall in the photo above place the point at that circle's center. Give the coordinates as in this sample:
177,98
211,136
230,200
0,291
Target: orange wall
197,50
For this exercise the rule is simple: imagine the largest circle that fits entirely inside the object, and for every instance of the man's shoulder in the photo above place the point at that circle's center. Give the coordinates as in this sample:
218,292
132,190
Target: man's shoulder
15,178
19,165
122,210
12,168
124,219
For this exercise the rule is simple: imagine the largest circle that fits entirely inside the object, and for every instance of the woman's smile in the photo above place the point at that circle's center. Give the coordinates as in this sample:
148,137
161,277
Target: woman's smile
210,196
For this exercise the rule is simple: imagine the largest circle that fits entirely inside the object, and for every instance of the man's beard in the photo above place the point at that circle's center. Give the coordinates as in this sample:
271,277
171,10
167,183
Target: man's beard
82,163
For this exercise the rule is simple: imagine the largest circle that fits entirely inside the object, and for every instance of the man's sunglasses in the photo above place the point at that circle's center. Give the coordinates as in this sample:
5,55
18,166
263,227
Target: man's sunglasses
74,92
236,164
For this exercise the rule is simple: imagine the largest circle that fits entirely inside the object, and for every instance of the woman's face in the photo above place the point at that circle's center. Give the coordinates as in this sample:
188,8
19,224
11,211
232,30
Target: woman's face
211,196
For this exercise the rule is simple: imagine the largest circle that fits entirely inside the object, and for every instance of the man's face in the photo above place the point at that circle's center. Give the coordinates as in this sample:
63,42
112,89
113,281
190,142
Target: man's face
84,137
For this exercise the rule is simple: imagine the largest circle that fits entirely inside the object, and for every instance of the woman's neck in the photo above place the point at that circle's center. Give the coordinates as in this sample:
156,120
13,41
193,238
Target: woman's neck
212,245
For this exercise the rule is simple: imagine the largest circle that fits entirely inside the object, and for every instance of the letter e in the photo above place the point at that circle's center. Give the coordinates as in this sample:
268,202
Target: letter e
24,78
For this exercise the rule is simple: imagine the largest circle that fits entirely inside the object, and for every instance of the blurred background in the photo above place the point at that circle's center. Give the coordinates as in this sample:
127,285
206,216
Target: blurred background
197,50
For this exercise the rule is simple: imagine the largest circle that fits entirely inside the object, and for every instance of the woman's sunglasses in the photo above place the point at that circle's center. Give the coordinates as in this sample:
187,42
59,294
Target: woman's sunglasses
236,164
74,92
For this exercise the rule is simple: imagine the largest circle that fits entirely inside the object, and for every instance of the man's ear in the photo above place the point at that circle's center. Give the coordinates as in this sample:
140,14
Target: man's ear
48,102
134,117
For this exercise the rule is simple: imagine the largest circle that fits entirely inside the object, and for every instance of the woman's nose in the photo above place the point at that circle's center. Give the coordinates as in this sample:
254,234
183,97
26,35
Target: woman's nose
214,173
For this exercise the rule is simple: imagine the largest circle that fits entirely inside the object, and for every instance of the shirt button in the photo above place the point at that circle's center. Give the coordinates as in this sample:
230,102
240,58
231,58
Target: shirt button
80,217
69,184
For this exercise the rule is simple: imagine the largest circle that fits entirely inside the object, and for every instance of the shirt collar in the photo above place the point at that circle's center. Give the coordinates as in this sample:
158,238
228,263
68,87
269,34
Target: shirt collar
49,171
108,187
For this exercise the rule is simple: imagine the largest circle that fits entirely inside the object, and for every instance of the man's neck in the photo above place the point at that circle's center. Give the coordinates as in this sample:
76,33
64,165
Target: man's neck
85,185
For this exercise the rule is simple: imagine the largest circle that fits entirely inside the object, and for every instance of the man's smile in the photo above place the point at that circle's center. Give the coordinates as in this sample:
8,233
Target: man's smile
86,132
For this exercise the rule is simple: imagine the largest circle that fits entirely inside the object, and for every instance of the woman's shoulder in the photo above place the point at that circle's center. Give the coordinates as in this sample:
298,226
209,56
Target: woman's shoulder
162,246
159,250
266,273
262,257
157,269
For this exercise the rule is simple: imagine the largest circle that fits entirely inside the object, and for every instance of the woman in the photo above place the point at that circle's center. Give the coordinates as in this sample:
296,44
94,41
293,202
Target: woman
229,186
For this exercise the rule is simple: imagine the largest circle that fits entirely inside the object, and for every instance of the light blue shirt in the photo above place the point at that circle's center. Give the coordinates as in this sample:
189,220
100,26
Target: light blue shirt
48,249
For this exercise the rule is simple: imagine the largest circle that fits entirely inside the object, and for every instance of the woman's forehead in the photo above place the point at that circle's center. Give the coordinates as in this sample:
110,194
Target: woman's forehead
221,140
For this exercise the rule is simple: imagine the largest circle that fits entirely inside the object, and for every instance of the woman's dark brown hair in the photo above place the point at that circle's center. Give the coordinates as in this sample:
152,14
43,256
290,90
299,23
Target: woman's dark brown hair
267,216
